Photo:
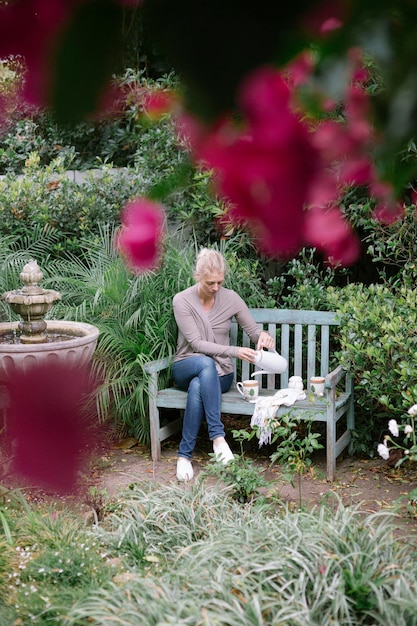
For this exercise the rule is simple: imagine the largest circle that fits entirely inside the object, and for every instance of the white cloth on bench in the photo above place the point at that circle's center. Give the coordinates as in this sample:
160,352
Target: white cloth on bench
266,409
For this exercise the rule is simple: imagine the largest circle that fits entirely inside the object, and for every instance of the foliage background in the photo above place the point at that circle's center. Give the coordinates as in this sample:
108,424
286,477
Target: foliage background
41,203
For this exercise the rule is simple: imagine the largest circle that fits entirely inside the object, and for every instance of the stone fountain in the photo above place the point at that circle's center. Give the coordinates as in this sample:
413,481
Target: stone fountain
34,340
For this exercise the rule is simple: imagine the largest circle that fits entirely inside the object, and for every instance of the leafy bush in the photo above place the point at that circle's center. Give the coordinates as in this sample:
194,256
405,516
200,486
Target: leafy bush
378,343
303,283
118,139
390,246
47,197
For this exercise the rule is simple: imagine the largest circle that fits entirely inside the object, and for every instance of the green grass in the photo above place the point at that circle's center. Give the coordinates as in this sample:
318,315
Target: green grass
175,554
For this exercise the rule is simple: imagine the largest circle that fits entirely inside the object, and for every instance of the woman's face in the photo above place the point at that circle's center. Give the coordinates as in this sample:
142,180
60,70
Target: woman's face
210,284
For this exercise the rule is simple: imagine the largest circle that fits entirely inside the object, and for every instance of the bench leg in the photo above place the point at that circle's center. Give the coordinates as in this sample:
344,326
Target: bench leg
154,424
351,409
331,450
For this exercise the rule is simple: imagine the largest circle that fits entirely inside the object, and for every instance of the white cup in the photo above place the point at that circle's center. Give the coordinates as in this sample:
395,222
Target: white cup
317,384
249,389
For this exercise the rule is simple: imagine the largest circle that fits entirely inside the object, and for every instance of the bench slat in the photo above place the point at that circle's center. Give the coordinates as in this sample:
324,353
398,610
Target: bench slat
311,350
325,346
298,350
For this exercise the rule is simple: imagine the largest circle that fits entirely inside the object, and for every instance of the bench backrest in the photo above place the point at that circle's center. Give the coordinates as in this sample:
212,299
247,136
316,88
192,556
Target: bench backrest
302,337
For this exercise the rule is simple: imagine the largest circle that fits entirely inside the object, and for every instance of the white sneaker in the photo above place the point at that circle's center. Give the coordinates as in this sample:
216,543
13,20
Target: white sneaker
185,470
223,453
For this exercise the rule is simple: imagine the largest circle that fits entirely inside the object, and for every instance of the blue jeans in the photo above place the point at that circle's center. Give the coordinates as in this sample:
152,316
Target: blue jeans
198,376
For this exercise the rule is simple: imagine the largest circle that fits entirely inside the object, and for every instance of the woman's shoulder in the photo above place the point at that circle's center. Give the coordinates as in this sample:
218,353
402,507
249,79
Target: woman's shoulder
231,299
230,294
185,294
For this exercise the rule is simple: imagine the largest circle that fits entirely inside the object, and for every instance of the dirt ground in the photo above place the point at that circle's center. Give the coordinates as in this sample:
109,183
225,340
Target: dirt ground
369,483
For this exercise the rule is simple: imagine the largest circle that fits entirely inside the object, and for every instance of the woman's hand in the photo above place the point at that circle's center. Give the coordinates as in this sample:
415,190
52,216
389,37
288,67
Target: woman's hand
265,341
247,354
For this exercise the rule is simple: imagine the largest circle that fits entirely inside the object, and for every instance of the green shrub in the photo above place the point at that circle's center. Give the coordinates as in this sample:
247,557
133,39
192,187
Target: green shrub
119,139
303,283
47,197
378,345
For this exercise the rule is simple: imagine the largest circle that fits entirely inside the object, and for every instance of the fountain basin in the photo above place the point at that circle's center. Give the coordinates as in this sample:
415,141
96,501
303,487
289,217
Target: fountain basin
75,351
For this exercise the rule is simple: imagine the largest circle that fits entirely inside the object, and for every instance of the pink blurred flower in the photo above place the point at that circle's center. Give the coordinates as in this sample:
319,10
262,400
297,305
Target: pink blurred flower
264,168
140,236
325,17
31,29
158,103
329,232
299,71
389,213
388,210
356,171
49,425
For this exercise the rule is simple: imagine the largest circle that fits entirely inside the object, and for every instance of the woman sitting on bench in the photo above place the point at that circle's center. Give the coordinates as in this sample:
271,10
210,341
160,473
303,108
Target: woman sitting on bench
202,365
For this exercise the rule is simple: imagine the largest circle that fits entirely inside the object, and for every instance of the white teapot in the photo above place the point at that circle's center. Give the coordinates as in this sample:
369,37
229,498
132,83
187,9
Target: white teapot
270,361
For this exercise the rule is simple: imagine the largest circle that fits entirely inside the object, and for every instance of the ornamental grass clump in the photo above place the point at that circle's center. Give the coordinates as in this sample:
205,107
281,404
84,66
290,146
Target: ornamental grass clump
189,554
50,561
197,557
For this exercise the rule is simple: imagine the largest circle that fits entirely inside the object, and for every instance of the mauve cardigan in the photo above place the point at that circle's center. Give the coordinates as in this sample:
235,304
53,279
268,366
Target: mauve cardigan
201,332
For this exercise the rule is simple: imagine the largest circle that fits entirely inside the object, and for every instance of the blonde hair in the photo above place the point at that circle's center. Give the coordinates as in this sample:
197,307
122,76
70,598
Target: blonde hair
209,262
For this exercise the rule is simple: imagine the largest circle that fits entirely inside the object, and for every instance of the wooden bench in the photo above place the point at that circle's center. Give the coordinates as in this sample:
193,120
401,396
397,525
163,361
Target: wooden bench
306,340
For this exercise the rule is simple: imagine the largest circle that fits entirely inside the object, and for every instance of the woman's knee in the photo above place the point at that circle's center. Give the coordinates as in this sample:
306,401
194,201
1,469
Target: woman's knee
208,366
194,387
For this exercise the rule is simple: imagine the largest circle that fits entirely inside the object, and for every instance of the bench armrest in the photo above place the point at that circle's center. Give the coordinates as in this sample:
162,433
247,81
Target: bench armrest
335,377
152,367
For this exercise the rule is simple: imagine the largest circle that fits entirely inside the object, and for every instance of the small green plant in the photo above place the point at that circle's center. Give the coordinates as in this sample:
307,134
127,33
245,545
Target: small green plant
241,474
295,445
97,498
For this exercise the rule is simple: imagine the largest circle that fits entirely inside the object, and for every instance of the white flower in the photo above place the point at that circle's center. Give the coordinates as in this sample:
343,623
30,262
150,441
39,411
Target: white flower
412,410
383,451
408,430
393,428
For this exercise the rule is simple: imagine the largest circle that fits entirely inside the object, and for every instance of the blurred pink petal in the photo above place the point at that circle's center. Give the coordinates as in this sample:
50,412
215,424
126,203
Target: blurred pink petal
49,425
389,213
30,29
264,167
299,71
329,25
325,17
139,240
328,231
332,140
324,190
388,209
158,103
264,96
356,171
